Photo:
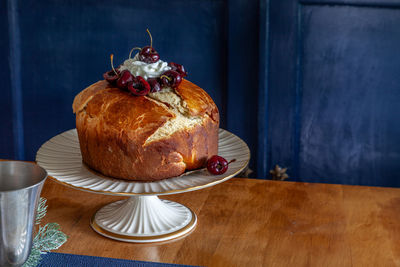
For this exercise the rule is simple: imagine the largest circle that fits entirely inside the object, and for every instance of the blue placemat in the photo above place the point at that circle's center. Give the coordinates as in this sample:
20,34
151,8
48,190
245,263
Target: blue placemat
64,260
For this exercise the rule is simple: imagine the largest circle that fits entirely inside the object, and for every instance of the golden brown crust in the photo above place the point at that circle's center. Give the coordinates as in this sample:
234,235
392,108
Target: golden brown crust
86,95
113,127
198,101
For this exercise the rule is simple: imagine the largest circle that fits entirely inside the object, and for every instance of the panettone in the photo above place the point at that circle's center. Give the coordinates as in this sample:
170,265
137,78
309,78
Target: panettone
146,138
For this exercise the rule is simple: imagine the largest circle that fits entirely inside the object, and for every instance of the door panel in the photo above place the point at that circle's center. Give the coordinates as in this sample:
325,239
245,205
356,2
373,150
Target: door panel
345,101
350,119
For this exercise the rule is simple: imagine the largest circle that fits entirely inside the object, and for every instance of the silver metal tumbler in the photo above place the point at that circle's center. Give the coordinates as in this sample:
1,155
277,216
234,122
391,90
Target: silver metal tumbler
20,186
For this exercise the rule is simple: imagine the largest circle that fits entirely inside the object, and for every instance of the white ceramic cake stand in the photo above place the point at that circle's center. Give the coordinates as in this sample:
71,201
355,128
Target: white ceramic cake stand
143,217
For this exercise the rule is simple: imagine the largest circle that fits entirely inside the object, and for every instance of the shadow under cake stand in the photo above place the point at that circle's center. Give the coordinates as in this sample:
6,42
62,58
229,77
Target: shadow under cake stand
143,217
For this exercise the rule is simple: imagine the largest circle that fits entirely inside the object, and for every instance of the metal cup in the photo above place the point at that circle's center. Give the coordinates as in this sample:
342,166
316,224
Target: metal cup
20,186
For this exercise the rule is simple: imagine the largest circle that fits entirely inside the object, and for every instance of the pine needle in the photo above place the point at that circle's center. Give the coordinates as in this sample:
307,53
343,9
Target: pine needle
49,237
41,210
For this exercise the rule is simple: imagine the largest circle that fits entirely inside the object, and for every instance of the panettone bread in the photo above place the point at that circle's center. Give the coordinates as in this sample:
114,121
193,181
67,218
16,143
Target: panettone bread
149,137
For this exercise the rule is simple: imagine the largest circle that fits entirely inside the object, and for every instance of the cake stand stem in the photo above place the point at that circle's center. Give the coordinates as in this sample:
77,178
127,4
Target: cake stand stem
143,219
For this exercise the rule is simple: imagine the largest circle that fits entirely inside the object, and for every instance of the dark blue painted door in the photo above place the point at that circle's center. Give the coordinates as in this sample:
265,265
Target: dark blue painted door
334,90
311,85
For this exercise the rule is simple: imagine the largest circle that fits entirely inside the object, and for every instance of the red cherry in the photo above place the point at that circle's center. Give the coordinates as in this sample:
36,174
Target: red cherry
149,55
178,68
125,78
154,85
111,76
217,165
171,78
139,86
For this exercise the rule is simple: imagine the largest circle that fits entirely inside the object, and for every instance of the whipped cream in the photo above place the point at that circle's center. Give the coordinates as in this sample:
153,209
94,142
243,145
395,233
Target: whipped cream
140,68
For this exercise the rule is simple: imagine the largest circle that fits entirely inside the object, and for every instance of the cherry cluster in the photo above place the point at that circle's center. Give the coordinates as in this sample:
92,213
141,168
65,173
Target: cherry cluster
139,86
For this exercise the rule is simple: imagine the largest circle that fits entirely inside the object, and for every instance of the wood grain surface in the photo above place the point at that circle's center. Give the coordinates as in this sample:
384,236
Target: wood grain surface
246,222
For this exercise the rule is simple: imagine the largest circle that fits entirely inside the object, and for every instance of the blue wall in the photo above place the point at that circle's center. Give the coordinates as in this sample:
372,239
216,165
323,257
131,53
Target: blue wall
60,47
6,107
310,85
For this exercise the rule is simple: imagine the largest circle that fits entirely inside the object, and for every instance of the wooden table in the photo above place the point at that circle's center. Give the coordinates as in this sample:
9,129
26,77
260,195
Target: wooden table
246,222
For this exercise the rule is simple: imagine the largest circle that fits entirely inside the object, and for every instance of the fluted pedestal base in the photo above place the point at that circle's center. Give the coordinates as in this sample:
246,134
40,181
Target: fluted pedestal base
143,219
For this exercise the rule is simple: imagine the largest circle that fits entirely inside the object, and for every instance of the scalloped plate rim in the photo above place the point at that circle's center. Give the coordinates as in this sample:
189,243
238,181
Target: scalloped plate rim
244,151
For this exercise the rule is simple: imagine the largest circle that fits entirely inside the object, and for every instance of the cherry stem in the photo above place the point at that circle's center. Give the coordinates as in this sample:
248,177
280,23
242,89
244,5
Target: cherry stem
112,65
168,78
151,38
231,161
133,49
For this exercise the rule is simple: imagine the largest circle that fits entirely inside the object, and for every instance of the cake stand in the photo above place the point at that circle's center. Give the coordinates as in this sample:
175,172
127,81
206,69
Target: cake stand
143,217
